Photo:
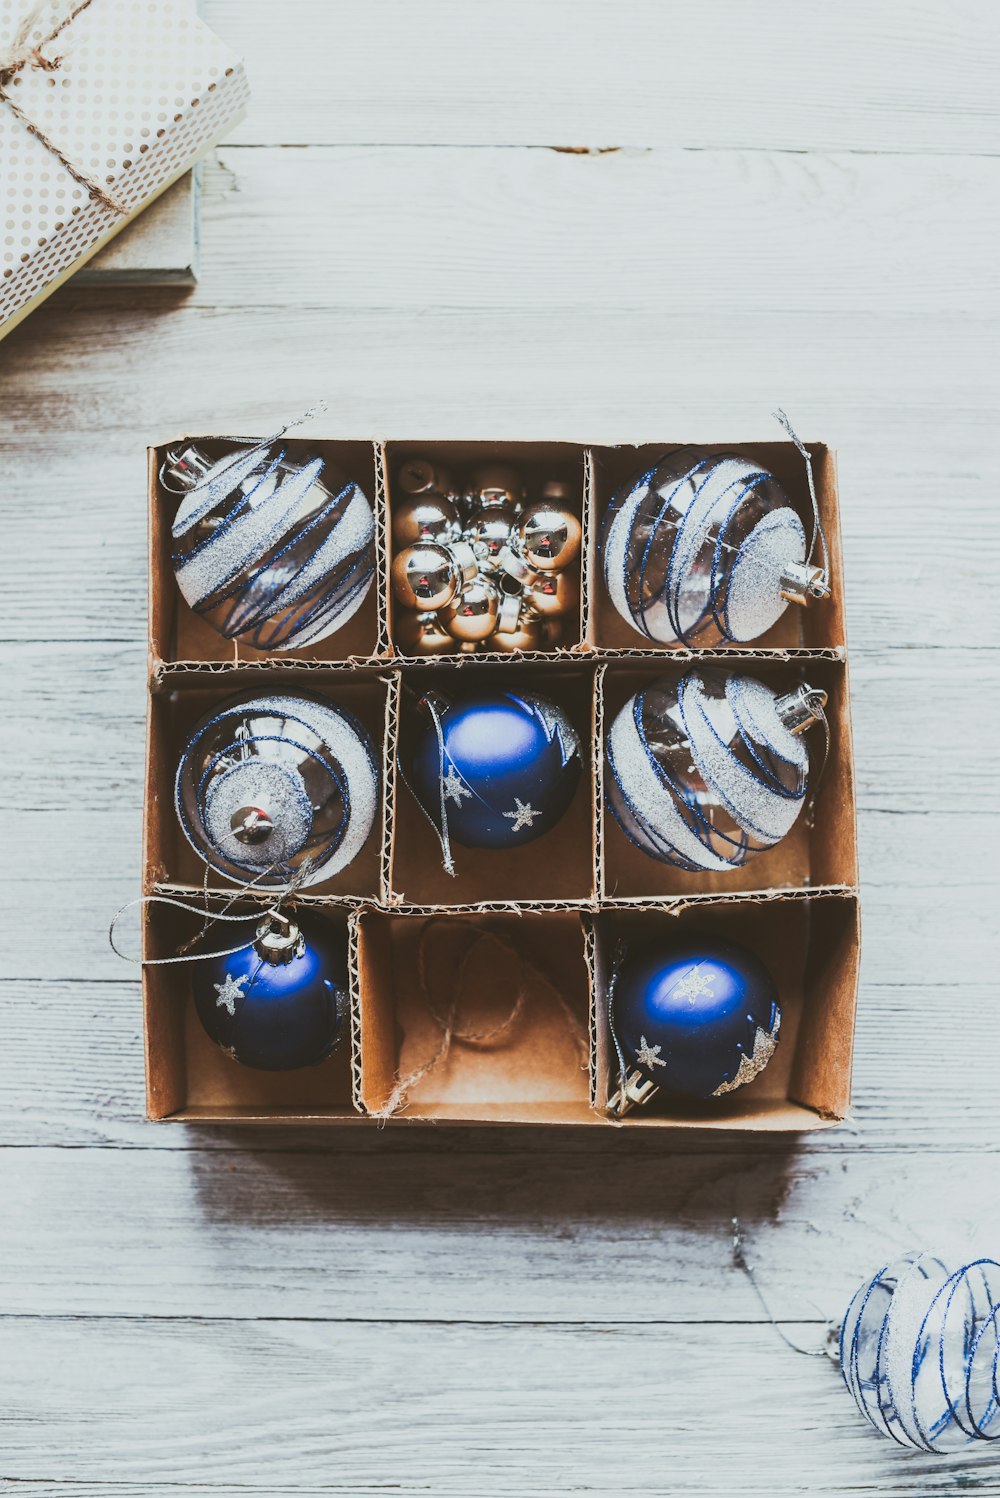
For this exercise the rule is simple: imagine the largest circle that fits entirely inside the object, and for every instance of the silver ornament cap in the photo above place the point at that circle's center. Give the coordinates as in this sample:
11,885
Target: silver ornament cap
801,708
278,939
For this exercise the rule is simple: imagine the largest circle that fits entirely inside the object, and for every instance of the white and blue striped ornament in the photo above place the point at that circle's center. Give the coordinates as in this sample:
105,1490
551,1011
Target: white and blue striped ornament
708,769
278,788
264,550
704,547
920,1352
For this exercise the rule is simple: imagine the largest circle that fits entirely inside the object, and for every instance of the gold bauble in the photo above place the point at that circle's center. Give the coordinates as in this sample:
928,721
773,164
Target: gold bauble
421,634
553,593
472,614
529,635
550,535
424,517
496,484
425,576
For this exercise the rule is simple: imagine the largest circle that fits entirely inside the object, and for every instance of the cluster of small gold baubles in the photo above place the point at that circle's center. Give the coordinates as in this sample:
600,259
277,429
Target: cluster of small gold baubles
486,567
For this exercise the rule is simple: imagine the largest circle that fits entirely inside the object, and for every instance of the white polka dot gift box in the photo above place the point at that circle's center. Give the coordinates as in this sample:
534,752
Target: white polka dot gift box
103,104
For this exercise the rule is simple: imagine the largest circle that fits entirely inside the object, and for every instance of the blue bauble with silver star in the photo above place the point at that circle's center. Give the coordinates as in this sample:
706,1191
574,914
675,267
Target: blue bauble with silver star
281,1003
697,1019
502,766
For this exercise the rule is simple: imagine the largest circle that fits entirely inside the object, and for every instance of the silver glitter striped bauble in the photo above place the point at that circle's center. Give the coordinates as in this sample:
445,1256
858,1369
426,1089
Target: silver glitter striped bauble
920,1352
703,771
275,786
695,549
264,549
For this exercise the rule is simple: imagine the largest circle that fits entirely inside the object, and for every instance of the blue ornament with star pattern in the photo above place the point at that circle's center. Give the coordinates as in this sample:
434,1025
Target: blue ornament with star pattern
698,1019
281,1003
499,768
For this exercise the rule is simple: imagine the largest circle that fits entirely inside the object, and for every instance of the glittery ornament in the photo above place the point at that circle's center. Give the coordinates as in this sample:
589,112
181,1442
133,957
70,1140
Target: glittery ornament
704,547
265,549
422,634
426,576
472,614
279,785
920,1349
549,535
281,1003
698,1018
502,767
709,769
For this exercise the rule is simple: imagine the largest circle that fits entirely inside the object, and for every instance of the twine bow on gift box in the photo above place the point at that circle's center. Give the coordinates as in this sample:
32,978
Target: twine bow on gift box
25,52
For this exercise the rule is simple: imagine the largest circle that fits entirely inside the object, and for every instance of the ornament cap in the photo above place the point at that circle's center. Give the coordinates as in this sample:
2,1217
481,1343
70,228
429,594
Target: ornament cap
801,582
184,467
513,564
252,825
800,709
466,558
509,616
279,939
635,1090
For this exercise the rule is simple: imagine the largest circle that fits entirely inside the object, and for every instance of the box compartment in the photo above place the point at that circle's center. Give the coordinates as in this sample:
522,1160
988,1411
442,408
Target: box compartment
189,1078
534,1070
558,867
810,945
537,461
816,626
175,709
178,634
820,849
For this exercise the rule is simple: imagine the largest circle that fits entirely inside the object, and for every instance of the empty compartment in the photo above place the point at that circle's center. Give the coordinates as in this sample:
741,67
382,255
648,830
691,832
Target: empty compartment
556,866
810,947
178,633
515,988
453,466
818,624
820,848
188,1076
174,714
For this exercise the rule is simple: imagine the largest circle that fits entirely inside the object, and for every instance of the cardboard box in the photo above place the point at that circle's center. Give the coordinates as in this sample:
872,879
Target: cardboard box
562,901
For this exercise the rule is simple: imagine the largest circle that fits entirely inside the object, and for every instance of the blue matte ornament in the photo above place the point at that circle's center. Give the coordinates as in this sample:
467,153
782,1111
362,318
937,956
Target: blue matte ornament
281,1003
496,770
697,1019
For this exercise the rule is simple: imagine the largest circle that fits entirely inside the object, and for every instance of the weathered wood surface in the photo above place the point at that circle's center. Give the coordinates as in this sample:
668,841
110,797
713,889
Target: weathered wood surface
805,213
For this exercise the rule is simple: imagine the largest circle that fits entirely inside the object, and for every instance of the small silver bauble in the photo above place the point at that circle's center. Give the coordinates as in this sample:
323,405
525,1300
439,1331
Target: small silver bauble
549,535
496,484
425,576
422,634
472,614
425,517
488,531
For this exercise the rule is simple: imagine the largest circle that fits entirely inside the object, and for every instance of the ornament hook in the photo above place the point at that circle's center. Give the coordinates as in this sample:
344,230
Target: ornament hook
802,581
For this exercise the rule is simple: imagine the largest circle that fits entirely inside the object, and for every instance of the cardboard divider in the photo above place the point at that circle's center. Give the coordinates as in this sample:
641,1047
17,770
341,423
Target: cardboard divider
520,990
817,625
174,714
820,849
559,866
177,633
188,1077
809,944
537,462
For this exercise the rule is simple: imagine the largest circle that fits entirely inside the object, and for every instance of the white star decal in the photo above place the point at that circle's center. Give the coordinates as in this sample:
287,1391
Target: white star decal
523,814
694,985
229,992
454,787
648,1055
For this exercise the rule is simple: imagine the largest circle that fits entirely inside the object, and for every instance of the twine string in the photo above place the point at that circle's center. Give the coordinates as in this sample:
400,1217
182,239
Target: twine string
741,1261
446,1017
24,53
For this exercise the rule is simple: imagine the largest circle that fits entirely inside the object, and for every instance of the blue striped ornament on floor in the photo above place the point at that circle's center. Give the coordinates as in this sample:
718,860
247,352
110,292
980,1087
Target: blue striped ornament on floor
709,769
920,1352
265,550
704,547
278,787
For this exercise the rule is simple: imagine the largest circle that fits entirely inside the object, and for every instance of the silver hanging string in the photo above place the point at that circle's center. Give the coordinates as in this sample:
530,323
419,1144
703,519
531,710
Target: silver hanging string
742,1262
263,444
617,963
441,833
818,533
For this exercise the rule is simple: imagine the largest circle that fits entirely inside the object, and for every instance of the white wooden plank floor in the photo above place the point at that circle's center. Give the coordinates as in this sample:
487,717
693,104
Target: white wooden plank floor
776,203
